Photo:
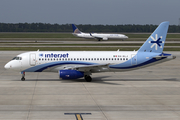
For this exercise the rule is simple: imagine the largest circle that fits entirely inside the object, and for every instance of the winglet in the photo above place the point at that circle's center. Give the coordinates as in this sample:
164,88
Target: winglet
155,43
75,29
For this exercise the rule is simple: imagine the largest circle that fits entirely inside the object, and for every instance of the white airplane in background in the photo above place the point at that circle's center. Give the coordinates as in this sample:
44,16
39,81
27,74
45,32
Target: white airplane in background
78,64
99,36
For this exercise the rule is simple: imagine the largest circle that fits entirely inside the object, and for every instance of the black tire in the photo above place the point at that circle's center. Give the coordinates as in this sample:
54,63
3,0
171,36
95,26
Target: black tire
22,79
88,78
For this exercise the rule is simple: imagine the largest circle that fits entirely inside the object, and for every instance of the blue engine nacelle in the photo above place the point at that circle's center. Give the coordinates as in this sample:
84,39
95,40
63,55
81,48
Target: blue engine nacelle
70,74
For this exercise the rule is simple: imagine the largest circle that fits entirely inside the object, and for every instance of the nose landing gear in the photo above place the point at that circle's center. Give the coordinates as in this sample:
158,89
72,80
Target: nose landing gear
23,76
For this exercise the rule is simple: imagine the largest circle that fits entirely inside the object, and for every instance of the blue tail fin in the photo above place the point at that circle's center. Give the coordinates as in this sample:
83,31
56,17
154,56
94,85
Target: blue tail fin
75,29
155,43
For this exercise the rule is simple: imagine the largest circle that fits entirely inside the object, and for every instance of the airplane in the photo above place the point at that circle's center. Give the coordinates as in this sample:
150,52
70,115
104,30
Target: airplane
99,36
79,64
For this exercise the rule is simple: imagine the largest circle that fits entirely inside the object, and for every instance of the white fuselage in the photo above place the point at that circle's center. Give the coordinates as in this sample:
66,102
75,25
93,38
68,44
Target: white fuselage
75,58
100,36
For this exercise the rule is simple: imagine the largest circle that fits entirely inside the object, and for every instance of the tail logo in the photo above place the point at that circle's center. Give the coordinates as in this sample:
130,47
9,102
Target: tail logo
77,31
156,41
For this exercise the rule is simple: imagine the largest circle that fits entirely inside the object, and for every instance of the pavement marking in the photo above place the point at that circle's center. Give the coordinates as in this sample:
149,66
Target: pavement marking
78,115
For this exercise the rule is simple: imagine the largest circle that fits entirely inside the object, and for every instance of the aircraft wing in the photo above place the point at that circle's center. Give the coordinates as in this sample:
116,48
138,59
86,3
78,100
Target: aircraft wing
98,37
90,68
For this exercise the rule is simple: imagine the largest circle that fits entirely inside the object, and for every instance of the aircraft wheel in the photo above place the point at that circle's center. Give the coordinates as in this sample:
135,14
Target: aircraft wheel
88,78
22,79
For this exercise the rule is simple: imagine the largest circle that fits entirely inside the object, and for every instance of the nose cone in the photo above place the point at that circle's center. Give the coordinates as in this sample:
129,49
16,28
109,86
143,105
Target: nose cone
13,65
125,36
7,66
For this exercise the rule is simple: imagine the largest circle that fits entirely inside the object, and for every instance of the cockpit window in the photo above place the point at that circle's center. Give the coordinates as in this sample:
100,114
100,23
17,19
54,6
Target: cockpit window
17,58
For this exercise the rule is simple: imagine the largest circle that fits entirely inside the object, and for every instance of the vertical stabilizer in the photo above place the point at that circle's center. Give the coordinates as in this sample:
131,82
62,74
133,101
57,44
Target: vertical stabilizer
155,43
75,29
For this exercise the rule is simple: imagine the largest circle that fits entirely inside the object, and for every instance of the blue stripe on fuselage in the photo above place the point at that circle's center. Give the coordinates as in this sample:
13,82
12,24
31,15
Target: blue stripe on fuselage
138,65
40,68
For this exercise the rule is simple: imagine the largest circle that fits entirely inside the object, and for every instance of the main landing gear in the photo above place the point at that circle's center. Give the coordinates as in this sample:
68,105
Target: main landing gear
23,76
88,78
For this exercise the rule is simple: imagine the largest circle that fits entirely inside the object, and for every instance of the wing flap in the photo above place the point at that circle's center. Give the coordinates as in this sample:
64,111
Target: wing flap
87,68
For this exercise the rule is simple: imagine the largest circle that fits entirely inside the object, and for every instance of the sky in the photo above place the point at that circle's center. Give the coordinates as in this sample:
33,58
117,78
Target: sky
105,12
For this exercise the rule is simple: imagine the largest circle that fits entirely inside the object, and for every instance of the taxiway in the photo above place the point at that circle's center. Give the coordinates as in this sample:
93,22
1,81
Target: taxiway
151,93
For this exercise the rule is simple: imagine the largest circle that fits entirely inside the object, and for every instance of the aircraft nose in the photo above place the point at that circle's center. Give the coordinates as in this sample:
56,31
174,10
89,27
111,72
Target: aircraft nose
7,66
126,36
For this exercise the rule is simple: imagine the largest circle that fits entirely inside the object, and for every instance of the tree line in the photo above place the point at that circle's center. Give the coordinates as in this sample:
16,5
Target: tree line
44,27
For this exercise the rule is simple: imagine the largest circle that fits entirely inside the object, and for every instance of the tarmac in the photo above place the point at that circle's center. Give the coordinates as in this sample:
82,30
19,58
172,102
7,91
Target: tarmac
74,44
151,93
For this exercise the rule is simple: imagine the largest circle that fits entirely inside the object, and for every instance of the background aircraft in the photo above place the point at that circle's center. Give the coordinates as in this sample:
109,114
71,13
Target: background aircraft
99,36
78,64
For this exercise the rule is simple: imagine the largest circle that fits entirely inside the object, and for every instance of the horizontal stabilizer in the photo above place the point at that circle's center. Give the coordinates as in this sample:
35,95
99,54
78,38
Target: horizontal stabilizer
163,55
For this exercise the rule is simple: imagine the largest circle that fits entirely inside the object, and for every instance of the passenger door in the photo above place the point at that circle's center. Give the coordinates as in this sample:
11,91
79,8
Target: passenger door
32,59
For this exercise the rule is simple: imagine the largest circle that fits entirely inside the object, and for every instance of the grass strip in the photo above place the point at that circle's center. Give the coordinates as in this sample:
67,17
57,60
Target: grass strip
69,35
75,49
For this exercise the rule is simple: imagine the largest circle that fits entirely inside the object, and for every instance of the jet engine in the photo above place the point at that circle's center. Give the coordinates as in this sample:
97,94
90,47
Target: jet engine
70,74
105,38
